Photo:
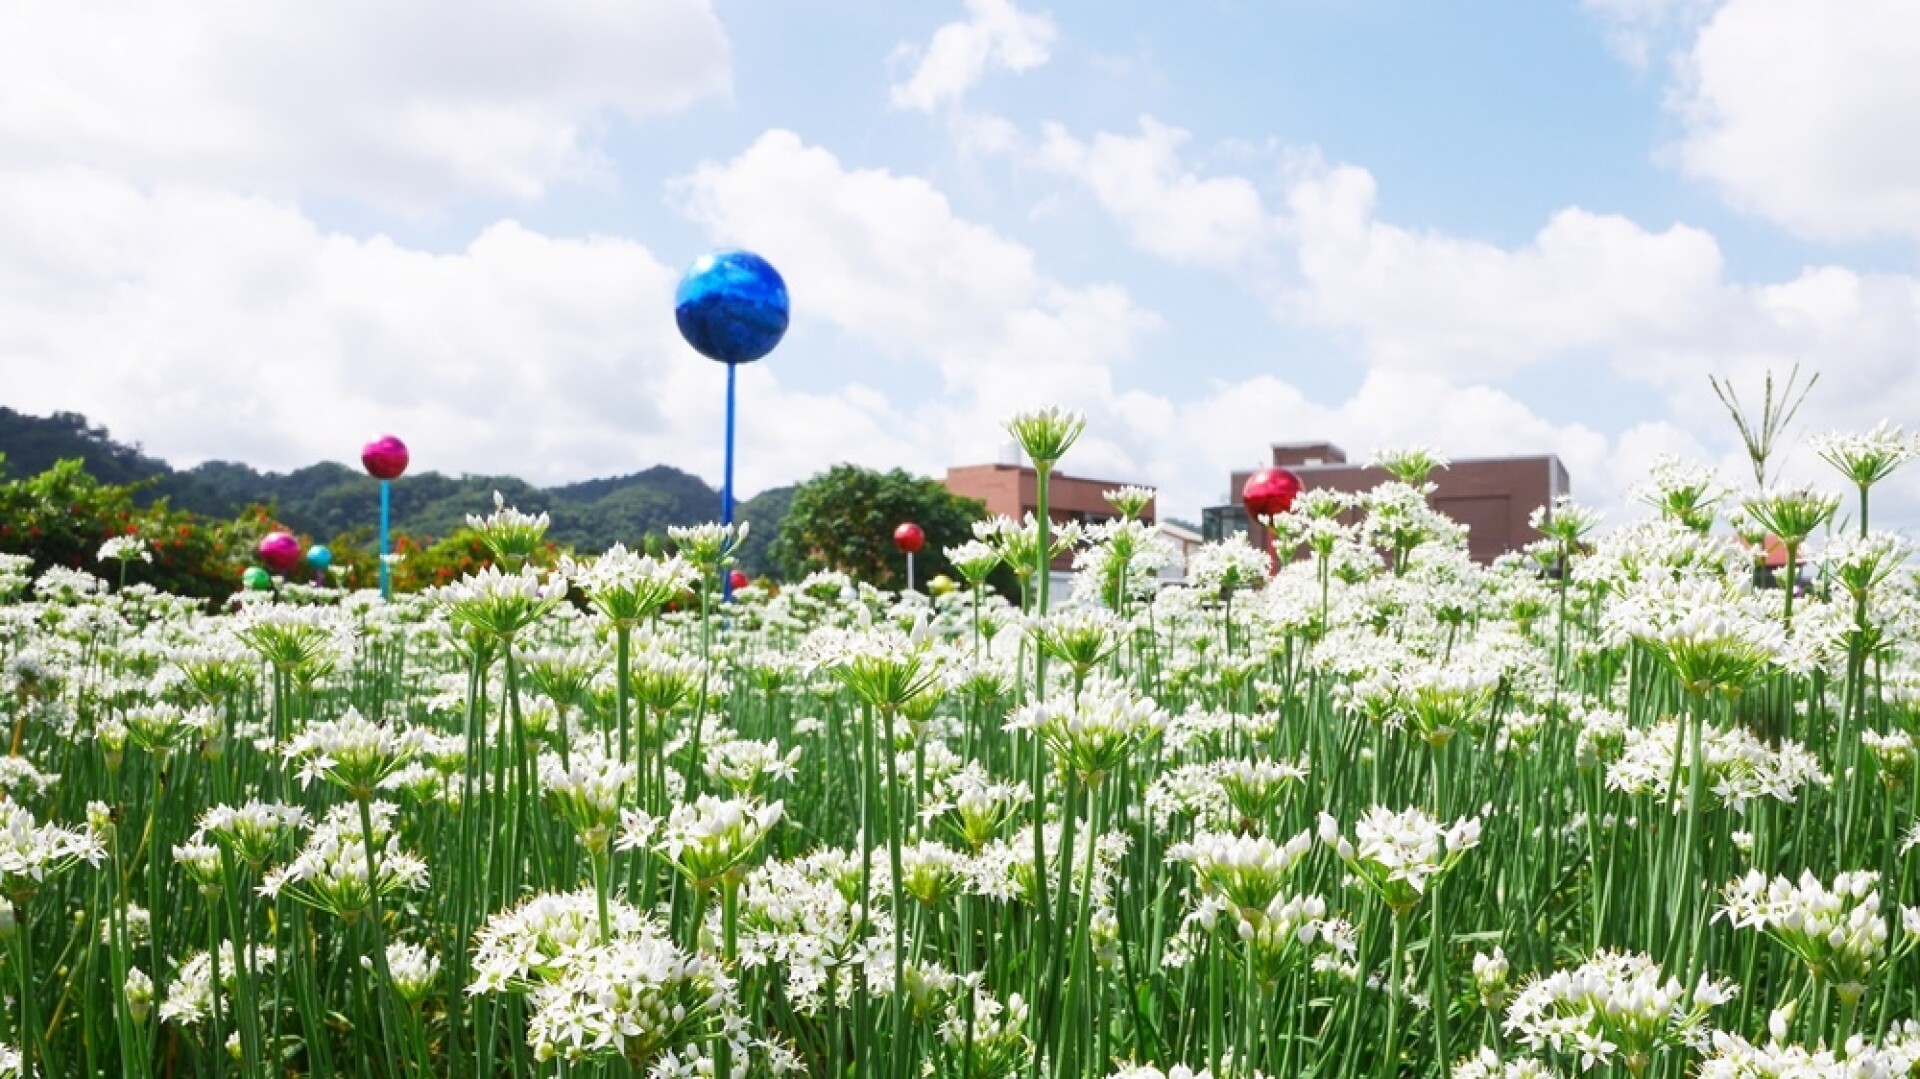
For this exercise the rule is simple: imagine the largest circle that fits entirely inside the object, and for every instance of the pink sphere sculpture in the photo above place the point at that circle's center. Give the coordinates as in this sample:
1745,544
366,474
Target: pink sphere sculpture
279,551
385,458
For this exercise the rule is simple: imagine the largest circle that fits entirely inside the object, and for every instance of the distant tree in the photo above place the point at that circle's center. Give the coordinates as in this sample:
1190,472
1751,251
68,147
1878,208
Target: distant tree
844,518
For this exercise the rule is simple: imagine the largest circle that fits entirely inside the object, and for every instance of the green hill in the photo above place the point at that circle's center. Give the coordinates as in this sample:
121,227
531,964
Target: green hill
328,499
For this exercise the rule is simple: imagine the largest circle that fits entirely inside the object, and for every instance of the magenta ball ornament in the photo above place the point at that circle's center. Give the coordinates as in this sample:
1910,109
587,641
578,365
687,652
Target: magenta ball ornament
385,458
279,552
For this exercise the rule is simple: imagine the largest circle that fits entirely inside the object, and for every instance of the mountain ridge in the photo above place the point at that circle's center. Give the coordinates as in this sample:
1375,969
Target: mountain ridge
328,499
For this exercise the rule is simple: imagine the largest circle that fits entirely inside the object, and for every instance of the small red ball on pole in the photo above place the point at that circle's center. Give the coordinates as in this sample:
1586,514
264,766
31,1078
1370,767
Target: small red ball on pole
1270,491
738,579
909,538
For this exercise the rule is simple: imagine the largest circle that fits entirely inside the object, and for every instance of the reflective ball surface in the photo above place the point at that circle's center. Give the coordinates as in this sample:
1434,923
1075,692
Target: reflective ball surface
731,306
256,579
1270,491
319,557
279,551
909,537
385,458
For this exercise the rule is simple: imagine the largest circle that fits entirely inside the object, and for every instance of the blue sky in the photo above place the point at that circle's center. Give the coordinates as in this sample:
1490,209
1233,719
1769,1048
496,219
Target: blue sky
267,233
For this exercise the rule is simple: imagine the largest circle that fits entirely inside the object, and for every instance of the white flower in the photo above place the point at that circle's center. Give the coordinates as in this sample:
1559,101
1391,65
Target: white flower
1839,932
124,549
1398,855
1615,1006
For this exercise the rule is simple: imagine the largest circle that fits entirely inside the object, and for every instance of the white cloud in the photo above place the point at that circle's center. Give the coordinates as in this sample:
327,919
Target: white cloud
1635,28
401,104
209,325
885,259
1431,301
995,34
1165,208
1801,111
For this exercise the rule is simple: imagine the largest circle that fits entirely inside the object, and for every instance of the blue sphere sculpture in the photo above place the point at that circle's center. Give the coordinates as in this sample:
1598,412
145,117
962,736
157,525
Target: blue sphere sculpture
731,306
319,557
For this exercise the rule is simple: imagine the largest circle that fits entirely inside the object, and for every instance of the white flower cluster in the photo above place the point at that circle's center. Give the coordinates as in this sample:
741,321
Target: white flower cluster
1617,1006
1094,731
331,872
352,752
1896,1055
1839,932
30,851
587,789
636,997
705,839
1398,855
1737,767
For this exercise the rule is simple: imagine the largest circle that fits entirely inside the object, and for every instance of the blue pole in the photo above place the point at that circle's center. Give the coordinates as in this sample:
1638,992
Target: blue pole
726,484
386,514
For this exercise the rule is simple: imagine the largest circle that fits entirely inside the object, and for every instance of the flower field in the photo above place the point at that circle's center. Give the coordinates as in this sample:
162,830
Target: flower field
1618,804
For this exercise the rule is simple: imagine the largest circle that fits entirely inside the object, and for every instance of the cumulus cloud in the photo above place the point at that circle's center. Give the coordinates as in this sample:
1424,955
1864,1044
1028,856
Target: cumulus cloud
1425,300
211,325
1798,111
403,105
1165,208
995,34
1636,28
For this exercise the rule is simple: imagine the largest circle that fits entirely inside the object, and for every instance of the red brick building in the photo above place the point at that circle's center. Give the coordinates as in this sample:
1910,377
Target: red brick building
1492,496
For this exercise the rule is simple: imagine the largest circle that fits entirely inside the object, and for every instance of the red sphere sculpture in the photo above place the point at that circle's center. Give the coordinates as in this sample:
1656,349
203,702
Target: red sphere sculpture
385,458
1270,491
738,579
909,538
280,552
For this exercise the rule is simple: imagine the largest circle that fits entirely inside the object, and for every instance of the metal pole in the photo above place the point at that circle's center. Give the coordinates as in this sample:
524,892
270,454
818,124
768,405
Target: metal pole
726,484
909,571
386,515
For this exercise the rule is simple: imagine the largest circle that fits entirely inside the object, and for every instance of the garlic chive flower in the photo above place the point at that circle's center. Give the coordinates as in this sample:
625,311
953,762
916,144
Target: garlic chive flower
124,549
1792,515
1738,767
1398,855
710,547
538,940
628,587
510,535
1046,434
1839,932
1866,459
253,833
1486,1064
1093,732
1617,1007
974,561
1248,872
1409,464
975,806
352,752
331,872
637,998
705,840
189,1000
1080,637
413,968
499,605
586,791
882,666
30,852
1130,501
1255,788
1684,493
